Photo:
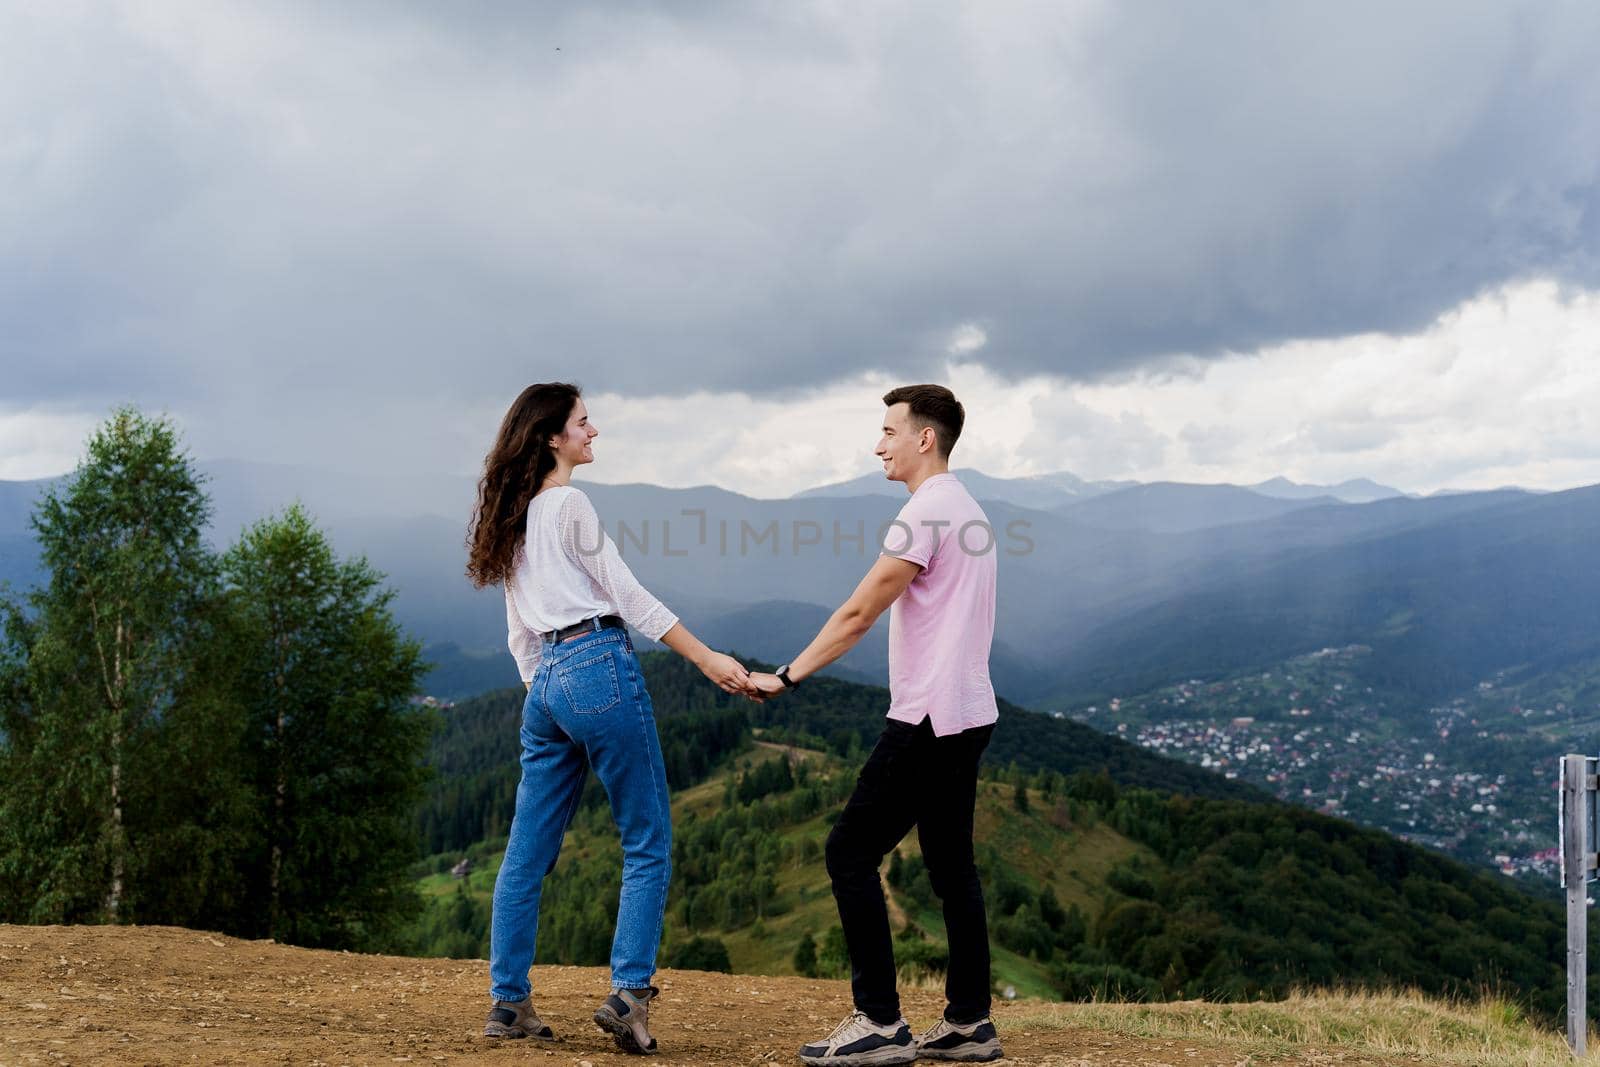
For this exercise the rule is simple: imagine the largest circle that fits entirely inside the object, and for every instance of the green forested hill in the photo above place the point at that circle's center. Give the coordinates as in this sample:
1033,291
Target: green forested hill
1096,883
476,755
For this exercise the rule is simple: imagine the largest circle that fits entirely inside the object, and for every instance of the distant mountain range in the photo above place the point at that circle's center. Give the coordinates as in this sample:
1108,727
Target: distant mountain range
1442,602
1041,491
1123,591
1104,587
1353,491
1051,492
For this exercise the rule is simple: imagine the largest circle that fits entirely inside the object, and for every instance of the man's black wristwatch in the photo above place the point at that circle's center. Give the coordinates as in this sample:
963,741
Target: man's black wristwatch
783,676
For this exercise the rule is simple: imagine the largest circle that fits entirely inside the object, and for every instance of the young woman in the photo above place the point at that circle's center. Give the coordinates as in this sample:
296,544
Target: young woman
568,595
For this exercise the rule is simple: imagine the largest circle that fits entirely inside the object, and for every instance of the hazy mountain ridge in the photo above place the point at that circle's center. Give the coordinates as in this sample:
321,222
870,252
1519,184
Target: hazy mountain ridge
1062,490
1440,603
732,566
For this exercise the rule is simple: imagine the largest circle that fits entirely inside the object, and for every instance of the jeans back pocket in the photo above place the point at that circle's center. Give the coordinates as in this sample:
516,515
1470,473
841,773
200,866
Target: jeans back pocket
590,685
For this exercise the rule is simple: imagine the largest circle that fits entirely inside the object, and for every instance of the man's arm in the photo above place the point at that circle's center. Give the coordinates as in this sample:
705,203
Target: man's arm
885,582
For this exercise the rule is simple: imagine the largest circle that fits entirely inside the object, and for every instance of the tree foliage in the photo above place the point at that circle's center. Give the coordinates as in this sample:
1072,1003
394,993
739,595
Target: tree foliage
336,747
223,743
112,696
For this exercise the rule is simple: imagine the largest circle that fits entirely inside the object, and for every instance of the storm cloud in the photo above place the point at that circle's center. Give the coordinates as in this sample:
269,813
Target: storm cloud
232,206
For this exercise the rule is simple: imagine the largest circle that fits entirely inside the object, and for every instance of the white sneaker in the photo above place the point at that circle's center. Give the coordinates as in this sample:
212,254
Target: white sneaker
860,1040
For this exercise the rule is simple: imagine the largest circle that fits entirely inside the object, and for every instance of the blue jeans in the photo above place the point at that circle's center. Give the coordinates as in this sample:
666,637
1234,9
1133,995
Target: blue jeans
586,707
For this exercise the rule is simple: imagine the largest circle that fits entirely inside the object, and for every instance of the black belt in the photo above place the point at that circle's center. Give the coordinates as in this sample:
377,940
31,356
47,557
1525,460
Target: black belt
577,629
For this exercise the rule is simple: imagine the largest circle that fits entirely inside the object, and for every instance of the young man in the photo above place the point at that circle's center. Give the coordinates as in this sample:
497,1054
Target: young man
937,575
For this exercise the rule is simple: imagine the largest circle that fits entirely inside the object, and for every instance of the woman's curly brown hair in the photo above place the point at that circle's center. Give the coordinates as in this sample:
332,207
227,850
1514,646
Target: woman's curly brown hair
512,472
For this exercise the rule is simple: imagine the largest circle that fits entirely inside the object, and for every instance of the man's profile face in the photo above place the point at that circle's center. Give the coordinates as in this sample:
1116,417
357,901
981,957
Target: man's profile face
897,448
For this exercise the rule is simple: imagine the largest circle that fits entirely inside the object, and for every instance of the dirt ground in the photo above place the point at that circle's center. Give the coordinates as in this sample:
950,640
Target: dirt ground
158,995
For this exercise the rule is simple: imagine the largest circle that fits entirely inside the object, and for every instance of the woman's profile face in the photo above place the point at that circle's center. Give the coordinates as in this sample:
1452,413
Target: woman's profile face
573,443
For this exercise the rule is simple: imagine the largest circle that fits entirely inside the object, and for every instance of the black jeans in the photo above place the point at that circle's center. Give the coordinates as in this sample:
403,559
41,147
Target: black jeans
913,778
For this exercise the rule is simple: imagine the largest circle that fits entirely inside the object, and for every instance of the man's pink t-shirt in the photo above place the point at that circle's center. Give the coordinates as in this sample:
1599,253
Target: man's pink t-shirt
941,627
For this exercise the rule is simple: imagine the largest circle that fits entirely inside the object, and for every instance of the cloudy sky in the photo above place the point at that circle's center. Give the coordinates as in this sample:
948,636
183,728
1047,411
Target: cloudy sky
1211,242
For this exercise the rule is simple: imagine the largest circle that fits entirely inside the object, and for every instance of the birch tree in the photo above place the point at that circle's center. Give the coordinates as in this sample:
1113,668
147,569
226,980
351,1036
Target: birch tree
90,676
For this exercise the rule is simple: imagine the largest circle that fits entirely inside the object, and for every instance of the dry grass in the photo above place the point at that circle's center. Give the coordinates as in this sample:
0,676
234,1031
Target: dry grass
1404,1024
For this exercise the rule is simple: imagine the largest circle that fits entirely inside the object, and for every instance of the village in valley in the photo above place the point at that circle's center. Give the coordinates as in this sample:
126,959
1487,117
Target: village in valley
1474,776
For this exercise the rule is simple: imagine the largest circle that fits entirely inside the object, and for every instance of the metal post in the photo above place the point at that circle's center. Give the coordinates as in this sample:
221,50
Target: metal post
1576,861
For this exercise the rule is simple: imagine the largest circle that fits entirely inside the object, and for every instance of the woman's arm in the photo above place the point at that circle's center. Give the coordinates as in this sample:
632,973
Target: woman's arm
526,646
727,672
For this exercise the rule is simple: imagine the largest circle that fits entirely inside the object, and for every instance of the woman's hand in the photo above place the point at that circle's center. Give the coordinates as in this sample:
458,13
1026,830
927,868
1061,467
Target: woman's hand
728,673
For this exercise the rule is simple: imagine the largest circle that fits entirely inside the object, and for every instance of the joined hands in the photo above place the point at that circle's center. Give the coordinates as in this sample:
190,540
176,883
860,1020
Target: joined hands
731,677
764,686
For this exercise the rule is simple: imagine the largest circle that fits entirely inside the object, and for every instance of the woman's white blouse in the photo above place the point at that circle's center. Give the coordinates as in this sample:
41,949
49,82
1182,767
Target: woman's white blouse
567,570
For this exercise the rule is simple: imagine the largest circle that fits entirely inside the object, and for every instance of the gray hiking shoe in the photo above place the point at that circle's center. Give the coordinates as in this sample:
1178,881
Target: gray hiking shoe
973,1043
860,1040
516,1018
625,1015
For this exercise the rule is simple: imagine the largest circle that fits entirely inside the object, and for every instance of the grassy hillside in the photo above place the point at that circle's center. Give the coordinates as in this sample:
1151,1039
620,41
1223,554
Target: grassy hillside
1096,887
781,861
476,755
1398,1027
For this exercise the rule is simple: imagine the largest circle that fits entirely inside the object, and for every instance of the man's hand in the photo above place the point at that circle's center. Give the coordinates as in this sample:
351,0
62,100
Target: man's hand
763,687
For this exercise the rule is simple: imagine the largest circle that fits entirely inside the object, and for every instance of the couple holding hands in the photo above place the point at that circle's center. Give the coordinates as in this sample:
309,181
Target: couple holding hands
570,599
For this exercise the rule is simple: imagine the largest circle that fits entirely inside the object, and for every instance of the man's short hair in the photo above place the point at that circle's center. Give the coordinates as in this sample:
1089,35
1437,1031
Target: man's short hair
932,405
